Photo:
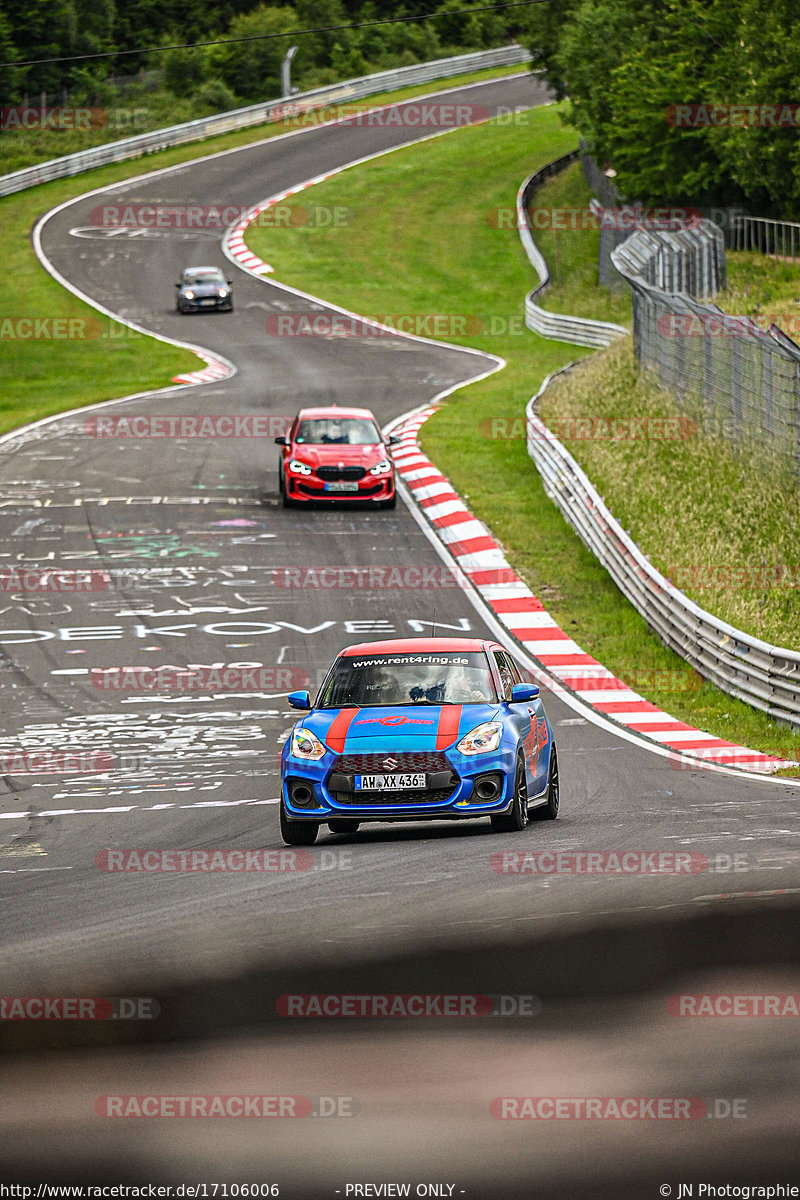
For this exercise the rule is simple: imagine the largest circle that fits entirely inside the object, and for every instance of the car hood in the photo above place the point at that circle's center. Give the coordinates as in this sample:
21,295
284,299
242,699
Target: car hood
378,730
331,456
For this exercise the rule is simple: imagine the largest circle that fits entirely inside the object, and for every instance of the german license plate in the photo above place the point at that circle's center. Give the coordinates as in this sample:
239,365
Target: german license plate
341,487
385,783
208,302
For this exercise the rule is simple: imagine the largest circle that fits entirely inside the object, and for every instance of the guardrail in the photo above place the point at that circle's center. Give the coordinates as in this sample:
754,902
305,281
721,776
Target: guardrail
257,114
768,677
561,327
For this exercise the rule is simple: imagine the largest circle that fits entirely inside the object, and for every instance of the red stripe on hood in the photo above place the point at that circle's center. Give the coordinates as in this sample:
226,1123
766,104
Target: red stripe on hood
335,737
447,729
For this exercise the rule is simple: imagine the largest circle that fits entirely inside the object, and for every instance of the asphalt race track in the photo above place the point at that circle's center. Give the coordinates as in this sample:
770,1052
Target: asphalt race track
197,527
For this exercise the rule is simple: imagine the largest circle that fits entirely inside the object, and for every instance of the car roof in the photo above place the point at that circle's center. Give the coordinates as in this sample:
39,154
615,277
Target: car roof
202,270
334,410
419,646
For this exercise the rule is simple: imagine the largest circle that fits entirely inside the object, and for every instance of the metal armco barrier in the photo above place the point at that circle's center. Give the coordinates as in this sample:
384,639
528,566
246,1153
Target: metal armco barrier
579,330
257,114
768,677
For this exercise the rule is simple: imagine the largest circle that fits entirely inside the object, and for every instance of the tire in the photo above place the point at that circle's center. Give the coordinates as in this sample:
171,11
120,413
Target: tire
298,833
343,826
286,501
517,818
549,811
389,503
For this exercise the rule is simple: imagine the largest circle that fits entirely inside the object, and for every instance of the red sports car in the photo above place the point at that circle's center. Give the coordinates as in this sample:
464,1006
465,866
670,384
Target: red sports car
336,454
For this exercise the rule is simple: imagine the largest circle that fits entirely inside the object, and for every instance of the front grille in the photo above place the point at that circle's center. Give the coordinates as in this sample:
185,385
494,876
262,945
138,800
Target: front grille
321,494
406,760
334,474
369,799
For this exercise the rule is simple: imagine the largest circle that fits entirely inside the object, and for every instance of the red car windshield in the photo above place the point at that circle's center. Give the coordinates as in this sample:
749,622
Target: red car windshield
337,431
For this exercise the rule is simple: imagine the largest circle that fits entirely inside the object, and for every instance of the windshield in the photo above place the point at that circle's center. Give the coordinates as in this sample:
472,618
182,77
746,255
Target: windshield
198,277
392,679
338,431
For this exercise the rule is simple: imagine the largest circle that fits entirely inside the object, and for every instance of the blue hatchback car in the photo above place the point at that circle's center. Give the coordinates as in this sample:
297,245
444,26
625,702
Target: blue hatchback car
418,729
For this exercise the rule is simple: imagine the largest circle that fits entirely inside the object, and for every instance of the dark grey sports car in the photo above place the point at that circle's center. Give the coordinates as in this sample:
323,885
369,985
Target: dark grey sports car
204,287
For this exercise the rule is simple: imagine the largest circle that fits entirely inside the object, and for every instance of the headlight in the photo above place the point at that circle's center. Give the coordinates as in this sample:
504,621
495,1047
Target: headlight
306,745
381,468
189,294
299,468
222,293
482,739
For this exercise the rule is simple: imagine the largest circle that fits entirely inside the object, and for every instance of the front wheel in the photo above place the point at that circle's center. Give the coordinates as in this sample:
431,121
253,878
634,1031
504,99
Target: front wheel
549,811
298,833
390,503
516,819
343,826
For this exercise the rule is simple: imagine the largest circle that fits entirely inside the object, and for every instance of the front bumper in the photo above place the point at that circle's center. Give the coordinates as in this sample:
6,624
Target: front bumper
206,303
457,787
309,488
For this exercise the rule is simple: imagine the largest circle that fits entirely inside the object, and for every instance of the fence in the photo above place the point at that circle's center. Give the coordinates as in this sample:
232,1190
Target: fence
780,239
257,114
579,330
765,676
734,378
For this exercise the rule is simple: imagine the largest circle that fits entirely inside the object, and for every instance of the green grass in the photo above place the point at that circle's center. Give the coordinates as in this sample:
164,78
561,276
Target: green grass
144,110
571,253
41,377
763,288
751,524
429,249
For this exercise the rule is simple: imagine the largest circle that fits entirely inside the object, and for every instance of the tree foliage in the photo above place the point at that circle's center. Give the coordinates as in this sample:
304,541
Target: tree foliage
626,64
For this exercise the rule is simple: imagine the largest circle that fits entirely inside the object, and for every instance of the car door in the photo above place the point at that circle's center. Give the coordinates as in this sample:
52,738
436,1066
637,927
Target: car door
528,719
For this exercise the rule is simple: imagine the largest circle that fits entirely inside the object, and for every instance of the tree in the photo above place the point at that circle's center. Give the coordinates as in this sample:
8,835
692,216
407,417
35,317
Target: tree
253,69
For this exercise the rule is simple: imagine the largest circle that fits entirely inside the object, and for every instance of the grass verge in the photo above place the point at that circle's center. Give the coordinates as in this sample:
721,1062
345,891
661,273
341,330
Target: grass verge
97,359
571,253
431,250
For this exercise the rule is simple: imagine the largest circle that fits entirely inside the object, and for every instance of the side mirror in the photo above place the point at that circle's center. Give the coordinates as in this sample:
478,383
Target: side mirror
301,699
394,440
230,282
521,692
177,285
281,441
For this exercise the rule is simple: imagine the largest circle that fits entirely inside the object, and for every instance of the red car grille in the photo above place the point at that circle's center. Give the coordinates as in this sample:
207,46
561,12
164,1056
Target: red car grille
335,474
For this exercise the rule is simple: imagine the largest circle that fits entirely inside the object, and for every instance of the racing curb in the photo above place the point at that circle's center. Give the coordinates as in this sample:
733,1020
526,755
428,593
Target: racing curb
524,616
